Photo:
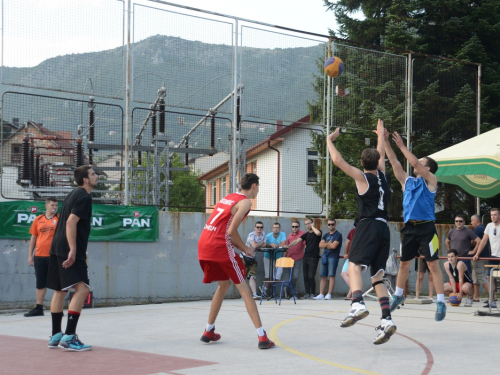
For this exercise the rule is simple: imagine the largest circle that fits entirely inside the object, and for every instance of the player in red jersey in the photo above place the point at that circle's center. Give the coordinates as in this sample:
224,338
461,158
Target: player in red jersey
218,260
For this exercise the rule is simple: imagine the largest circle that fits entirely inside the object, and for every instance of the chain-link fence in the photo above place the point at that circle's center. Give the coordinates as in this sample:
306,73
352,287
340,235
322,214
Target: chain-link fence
51,136
212,97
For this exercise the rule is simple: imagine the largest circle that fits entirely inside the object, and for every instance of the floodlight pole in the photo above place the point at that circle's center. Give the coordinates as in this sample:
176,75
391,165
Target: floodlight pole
408,109
478,124
328,123
235,131
127,110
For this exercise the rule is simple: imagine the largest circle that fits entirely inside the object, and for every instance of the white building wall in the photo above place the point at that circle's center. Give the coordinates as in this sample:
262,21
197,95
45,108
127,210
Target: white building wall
267,170
296,195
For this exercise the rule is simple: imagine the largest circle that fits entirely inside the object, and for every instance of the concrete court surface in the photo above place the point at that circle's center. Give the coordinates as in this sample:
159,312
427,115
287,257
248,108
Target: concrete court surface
165,339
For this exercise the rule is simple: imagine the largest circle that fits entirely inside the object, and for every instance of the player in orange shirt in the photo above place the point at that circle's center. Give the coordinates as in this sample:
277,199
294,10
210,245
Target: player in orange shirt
42,232
218,260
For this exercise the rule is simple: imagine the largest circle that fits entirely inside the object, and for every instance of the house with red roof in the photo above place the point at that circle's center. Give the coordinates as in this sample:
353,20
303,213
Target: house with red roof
285,162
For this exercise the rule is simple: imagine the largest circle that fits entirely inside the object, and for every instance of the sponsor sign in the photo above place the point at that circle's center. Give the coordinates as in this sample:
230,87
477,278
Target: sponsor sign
108,223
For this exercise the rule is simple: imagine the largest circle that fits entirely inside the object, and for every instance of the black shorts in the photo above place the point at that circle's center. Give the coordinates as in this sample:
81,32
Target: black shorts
370,246
62,279
423,265
41,270
421,237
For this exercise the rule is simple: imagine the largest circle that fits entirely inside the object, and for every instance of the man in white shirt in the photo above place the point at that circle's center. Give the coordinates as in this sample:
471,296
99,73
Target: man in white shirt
492,234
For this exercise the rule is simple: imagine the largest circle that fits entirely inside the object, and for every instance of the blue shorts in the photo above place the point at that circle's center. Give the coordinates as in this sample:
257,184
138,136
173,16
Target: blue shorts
329,269
493,263
346,265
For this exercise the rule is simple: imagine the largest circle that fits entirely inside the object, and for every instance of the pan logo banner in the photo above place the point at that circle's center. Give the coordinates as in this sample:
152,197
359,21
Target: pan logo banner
109,223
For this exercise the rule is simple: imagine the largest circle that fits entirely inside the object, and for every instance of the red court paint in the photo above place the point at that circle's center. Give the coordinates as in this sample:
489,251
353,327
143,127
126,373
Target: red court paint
20,355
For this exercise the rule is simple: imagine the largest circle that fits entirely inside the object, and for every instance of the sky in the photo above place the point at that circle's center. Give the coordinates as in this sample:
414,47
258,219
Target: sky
51,28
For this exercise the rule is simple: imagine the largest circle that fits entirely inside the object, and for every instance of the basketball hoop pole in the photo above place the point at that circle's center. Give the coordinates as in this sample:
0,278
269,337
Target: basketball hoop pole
328,115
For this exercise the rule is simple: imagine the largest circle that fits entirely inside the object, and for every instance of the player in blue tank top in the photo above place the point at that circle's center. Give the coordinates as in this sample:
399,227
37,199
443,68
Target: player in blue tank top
419,232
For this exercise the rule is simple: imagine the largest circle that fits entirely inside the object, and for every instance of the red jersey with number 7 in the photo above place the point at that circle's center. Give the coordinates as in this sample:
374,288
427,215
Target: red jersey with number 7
214,243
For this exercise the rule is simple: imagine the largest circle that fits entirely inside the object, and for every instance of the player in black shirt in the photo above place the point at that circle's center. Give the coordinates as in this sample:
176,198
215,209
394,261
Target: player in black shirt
370,246
68,260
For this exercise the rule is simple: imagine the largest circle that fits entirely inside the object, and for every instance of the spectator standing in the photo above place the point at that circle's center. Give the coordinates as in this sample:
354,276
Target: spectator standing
491,235
311,256
461,239
421,268
345,274
42,232
331,243
478,269
460,279
255,239
295,252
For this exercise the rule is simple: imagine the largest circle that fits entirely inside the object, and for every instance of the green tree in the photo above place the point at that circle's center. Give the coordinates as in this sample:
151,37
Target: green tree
443,110
186,194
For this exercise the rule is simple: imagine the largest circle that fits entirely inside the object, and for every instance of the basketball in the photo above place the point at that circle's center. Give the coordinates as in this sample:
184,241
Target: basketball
453,300
334,67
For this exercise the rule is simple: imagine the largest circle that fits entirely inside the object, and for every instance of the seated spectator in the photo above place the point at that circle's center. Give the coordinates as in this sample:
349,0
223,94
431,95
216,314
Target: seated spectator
331,243
275,239
255,239
295,252
344,273
460,279
420,279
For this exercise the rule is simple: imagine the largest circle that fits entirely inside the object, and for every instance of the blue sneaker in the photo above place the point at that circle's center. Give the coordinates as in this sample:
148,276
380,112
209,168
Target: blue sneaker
73,344
54,340
440,312
396,301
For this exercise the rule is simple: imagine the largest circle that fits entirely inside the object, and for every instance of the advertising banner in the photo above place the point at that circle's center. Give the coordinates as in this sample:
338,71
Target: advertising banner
109,223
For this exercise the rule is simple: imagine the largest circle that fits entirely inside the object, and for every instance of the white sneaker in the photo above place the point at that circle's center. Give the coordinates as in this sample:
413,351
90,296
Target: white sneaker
319,296
256,296
385,330
468,302
328,296
358,311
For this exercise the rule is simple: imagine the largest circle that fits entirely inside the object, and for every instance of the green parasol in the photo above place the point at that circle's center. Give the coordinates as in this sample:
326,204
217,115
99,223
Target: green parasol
474,165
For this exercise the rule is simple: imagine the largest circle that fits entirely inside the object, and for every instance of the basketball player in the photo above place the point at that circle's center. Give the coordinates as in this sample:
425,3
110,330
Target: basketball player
370,245
68,260
419,231
218,260
42,232
460,278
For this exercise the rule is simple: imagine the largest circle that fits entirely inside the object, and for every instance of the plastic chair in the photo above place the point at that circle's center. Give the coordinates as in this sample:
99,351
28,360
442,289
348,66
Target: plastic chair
282,262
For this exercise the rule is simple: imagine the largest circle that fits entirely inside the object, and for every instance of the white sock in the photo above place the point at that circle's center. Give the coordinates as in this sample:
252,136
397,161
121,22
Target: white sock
209,327
399,291
260,332
440,298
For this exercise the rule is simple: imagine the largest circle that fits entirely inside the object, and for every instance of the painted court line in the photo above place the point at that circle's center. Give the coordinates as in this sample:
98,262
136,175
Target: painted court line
273,335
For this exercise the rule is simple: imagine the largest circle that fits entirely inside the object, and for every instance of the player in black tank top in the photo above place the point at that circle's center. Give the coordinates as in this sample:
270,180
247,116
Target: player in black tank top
373,203
460,279
370,246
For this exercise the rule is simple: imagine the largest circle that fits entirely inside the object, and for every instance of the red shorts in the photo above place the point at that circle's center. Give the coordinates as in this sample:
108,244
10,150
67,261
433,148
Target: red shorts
458,286
232,269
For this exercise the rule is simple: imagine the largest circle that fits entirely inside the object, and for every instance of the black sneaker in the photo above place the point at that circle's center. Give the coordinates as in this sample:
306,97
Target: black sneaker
34,312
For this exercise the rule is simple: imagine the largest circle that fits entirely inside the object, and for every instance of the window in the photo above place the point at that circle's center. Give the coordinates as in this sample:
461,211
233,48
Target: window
312,161
15,156
214,193
117,164
223,192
